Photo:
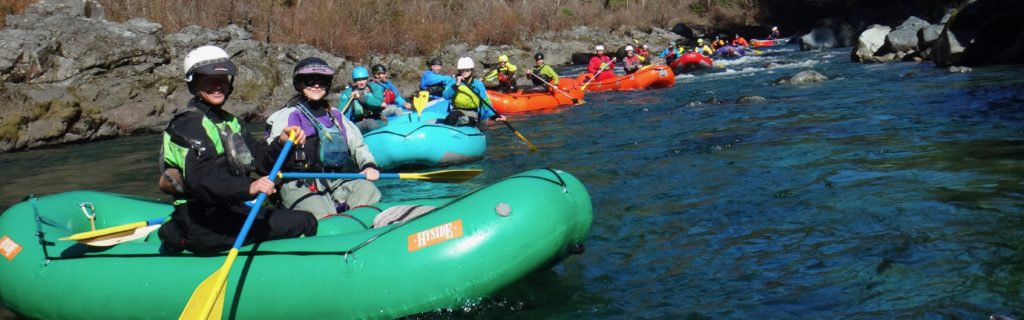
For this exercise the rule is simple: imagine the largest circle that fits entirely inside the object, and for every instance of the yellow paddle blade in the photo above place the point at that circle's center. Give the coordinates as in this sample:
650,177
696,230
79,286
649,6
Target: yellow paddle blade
533,147
443,176
106,232
208,298
120,237
420,102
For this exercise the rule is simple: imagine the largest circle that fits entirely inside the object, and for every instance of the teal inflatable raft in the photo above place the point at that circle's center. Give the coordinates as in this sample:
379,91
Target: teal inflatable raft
465,249
413,140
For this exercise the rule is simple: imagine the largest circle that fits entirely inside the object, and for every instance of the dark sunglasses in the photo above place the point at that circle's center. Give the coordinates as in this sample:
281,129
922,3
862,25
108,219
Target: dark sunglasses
323,82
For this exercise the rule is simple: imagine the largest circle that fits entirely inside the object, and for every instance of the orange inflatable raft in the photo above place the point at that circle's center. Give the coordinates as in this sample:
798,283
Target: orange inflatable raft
523,102
648,77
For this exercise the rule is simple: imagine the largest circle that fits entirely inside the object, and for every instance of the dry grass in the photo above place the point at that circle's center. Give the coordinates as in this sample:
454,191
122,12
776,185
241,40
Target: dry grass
357,28
12,7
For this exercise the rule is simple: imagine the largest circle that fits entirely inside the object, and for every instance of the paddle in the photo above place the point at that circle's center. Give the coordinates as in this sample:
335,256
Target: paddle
207,301
584,87
113,235
345,108
574,100
443,176
533,148
420,102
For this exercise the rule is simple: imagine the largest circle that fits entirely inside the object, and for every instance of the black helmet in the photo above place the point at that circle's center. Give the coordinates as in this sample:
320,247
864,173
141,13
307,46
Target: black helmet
378,68
538,56
311,68
435,61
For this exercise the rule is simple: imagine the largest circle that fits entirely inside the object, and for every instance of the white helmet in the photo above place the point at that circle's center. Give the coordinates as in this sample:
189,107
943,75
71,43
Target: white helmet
599,48
629,48
208,60
464,63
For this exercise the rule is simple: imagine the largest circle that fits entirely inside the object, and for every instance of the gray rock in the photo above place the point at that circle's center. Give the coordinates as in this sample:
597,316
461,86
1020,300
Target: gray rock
829,33
928,35
983,32
959,69
809,76
818,38
750,99
142,26
904,37
869,42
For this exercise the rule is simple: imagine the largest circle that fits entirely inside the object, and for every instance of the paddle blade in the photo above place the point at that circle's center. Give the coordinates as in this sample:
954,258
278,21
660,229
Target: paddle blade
420,102
112,232
105,231
443,176
208,298
121,237
533,147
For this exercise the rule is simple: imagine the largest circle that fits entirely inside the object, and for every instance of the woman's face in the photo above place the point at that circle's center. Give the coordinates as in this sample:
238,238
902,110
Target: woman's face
315,87
213,89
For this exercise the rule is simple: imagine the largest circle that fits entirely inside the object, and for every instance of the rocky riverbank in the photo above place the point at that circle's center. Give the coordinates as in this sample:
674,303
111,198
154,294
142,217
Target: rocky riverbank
979,32
68,75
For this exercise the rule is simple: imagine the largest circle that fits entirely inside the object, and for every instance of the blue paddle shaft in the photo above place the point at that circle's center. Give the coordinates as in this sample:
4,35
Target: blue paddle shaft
262,196
320,175
155,221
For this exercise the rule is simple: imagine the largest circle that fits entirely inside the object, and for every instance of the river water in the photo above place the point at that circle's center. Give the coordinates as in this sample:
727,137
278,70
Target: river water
888,191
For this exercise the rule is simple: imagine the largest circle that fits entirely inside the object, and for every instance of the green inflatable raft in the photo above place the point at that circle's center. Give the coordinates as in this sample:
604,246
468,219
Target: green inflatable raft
466,249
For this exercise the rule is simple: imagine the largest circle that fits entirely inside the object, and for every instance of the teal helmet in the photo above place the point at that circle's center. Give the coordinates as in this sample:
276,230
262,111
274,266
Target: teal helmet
360,73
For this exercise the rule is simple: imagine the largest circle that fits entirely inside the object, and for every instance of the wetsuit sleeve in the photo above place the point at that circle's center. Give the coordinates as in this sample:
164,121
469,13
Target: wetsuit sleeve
398,95
486,108
550,73
595,64
207,177
491,75
376,96
449,91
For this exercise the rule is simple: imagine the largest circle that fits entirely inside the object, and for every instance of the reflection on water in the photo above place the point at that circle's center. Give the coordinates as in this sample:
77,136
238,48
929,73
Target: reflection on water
889,191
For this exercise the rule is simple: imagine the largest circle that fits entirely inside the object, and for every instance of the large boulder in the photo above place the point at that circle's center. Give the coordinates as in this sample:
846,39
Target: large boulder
904,37
829,33
927,36
682,30
983,32
869,42
809,76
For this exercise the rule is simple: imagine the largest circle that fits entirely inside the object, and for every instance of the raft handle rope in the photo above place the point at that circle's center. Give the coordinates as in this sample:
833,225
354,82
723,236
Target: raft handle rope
89,213
560,183
39,230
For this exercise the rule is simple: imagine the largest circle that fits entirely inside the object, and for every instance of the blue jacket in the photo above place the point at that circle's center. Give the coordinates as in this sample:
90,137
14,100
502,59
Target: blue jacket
430,78
486,110
388,85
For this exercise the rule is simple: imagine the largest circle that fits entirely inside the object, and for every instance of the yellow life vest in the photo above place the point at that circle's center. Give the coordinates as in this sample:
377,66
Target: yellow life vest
465,98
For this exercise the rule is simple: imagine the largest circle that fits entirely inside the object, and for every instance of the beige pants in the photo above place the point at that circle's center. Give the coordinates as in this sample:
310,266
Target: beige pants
325,201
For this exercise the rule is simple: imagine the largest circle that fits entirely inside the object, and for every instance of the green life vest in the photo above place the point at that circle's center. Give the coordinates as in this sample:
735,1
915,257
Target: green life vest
465,98
227,141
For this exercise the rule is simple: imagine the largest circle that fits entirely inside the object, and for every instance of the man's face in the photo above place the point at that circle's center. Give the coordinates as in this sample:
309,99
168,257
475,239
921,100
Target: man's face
213,89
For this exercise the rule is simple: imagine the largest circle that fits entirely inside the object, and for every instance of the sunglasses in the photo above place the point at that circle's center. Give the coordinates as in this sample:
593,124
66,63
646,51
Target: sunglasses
322,82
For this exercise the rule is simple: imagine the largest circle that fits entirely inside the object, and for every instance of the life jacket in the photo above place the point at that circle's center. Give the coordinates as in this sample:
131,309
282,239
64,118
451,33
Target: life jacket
465,98
389,96
228,144
332,149
502,77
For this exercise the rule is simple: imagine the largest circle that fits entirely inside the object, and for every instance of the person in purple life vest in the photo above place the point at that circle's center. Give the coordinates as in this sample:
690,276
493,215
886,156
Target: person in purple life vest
333,144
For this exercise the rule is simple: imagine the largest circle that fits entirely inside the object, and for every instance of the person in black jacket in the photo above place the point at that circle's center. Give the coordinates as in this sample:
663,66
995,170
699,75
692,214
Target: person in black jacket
208,162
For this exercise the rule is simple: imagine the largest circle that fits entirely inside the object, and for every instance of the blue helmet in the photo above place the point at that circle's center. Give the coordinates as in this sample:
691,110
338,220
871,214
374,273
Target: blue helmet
359,73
